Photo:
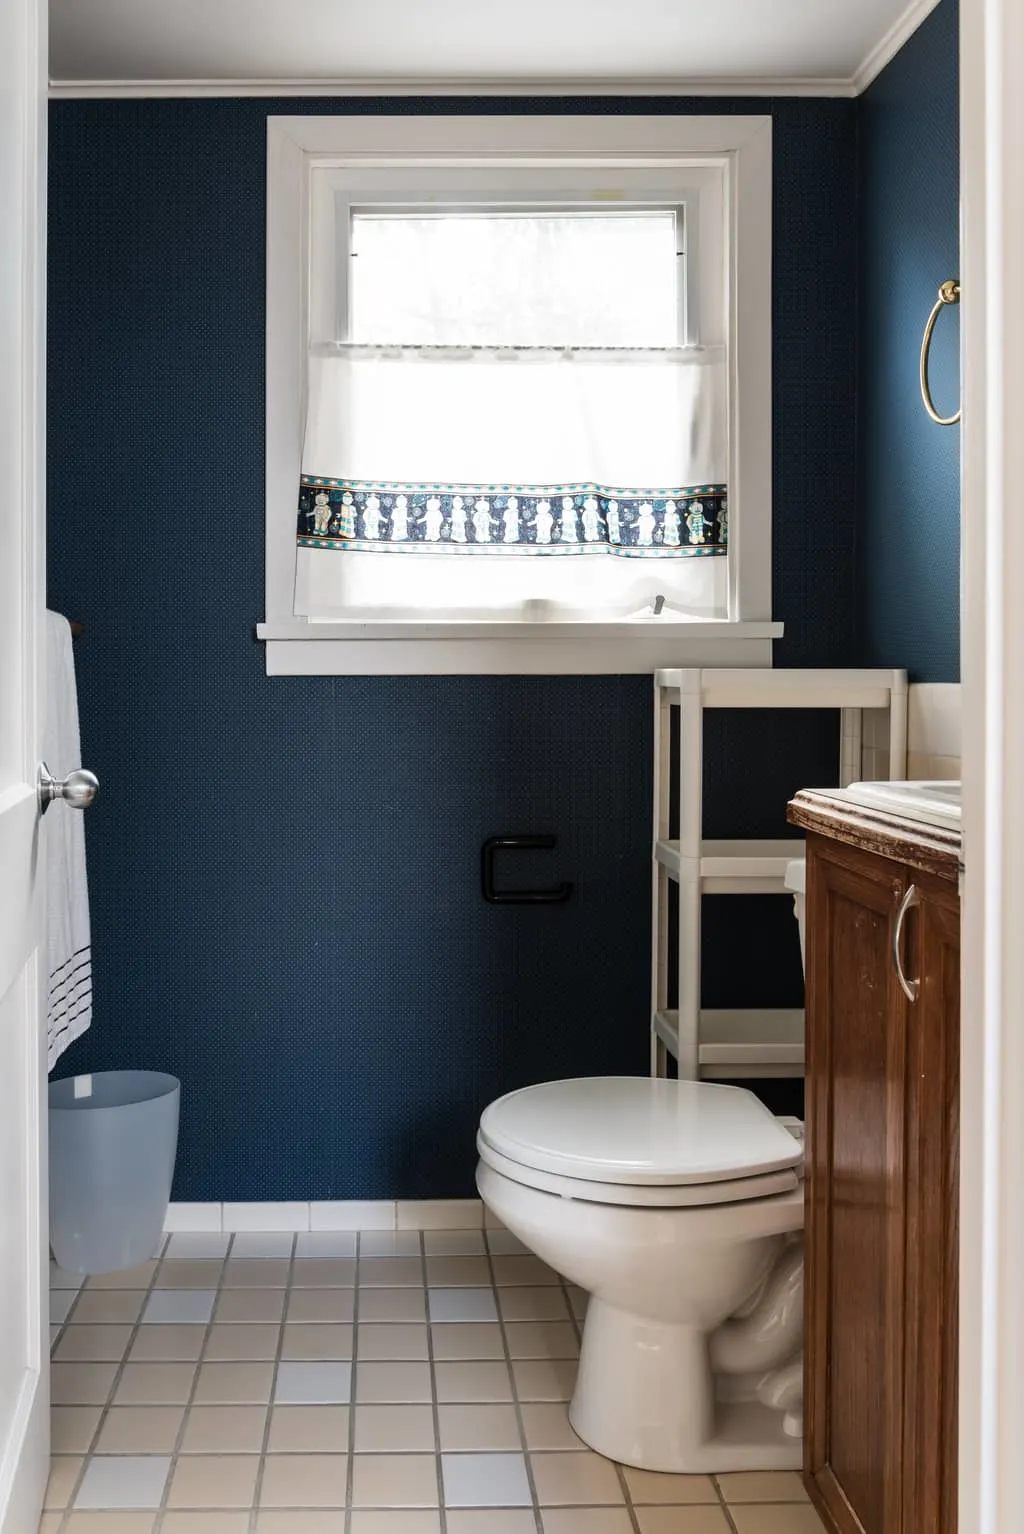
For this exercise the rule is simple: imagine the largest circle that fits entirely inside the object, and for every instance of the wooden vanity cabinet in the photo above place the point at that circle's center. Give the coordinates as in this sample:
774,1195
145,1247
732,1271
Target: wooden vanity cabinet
882,1079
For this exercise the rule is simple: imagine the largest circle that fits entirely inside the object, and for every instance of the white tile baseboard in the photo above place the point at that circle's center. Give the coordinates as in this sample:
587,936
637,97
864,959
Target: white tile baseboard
327,1215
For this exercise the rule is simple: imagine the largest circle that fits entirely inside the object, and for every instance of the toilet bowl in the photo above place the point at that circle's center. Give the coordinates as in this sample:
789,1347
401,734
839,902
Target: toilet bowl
678,1207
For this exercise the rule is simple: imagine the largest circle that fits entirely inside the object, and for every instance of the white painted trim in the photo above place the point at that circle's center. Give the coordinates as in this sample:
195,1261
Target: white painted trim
887,48
519,656
324,1215
743,144
759,86
992,1053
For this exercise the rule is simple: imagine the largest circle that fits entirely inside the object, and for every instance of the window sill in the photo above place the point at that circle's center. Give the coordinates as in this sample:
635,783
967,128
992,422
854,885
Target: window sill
414,647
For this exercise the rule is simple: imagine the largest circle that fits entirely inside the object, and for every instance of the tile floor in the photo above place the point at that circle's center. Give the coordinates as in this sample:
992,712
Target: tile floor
390,1383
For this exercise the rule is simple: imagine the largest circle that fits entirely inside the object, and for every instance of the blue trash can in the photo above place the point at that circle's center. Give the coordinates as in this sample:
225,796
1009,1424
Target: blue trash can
113,1144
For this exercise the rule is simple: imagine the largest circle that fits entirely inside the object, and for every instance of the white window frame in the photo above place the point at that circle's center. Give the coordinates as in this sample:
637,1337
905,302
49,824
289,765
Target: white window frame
743,146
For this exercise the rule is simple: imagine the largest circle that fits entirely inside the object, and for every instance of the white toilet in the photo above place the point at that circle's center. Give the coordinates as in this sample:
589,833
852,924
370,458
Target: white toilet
678,1206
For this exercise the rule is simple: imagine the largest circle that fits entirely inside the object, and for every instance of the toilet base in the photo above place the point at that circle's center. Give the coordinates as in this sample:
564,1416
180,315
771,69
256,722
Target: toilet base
645,1396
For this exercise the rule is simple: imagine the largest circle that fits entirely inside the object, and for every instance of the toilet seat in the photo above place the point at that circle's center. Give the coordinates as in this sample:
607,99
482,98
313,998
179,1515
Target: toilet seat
640,1142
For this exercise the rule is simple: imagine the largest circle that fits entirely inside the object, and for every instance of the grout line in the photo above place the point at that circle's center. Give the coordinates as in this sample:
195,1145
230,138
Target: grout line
516,1404
434,1404
204,1344
115,1382
350,1468
257,1490
725,1506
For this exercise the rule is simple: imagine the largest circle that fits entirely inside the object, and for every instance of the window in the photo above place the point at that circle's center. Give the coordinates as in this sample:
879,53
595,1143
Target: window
514,379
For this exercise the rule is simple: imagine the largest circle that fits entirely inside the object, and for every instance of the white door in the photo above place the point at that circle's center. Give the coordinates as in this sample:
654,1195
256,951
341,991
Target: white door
24,1325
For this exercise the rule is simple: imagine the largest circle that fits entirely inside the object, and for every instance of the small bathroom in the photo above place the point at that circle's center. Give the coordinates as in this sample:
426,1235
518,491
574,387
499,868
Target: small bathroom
355,881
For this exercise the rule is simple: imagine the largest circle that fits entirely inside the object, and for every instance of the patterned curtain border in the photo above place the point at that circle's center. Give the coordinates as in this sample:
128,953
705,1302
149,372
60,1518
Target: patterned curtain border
381,516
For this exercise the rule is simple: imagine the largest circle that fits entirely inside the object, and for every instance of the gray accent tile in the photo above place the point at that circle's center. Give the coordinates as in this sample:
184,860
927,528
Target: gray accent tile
179,1307
485,1480
313,1384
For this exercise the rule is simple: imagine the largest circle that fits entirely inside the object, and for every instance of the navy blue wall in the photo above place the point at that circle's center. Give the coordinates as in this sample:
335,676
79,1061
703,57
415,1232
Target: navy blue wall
909,468
285,902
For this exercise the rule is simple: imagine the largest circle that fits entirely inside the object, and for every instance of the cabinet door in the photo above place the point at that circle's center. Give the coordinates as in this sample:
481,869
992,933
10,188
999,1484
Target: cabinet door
855,1262
933,1119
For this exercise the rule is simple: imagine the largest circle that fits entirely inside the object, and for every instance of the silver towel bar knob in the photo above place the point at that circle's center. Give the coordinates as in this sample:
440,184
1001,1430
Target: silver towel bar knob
78,789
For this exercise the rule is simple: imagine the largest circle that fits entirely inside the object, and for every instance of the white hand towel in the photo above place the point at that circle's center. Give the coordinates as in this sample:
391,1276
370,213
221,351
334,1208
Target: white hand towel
69,953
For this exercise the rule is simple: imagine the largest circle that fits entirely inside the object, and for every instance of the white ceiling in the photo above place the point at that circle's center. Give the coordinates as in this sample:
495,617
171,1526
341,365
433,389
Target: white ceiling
802,45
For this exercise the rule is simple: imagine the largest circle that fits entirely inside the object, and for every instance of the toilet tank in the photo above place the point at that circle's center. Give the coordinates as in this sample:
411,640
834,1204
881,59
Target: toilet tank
796,880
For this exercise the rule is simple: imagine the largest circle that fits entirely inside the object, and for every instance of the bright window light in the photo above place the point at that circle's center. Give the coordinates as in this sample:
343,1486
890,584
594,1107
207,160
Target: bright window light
515,278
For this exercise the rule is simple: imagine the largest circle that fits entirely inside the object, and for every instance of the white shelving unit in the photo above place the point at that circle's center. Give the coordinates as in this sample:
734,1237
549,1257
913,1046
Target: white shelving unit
873,744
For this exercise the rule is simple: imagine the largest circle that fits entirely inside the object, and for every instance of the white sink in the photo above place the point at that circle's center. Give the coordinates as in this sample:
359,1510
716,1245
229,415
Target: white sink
937,803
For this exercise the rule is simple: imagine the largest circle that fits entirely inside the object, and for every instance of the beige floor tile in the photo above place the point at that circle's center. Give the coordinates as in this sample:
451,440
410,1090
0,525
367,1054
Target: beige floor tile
155,1384
140,1430
81,1384
304,1480
167,1344
413,1520
382,1383
586,1520
224,1430
330,1305
92,1344
308,1430
64,1471
395,1430
396,1343
544,1379
454,1243
125,1278
762,1486
523,1270
473,1382
213,1480
471,1339
478,1427
521,1303
569,1480
542,1339
392,1305
324,1273
546,1426
316,1343
234,1384
322,1521
648,1486
258,1306
682,1520
242,1343
391,1273
775,1518
189,1275
111,1523
205,1523
489,1520
107,1307
49,1523
257,1274
72,1428
458,1272
394,1480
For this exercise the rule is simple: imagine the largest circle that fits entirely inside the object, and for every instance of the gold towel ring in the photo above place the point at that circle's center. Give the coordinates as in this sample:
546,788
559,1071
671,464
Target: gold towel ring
949,293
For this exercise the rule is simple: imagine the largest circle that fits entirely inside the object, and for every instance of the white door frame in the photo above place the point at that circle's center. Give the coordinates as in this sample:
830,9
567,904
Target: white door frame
992,1054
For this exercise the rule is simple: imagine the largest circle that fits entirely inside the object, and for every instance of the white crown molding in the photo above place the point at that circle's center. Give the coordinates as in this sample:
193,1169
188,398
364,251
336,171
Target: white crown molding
757,86
739,86
886,50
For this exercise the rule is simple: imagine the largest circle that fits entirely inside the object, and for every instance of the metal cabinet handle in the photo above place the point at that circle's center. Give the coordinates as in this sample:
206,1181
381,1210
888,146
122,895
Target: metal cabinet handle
78,789
910,988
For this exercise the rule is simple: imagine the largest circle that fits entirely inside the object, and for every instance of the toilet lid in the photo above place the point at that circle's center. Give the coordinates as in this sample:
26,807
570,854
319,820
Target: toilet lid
632,1129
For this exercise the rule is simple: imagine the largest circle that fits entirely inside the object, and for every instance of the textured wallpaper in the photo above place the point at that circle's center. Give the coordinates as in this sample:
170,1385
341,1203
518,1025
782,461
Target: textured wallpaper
909,468
290,920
